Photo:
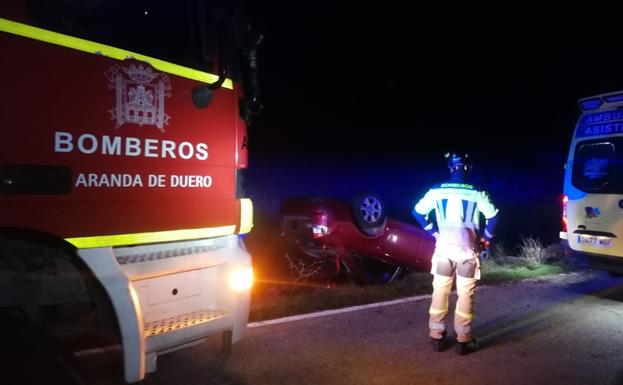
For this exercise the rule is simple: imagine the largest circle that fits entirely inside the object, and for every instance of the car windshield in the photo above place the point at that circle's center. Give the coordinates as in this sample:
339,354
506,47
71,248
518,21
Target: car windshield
598,166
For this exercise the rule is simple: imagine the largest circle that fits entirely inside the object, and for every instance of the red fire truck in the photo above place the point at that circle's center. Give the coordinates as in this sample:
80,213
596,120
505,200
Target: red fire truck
124,135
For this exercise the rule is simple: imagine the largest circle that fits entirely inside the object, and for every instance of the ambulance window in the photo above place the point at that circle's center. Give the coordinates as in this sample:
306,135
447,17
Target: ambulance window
598,166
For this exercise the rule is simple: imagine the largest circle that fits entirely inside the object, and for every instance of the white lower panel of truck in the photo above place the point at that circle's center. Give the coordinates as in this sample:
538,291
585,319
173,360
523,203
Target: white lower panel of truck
168,296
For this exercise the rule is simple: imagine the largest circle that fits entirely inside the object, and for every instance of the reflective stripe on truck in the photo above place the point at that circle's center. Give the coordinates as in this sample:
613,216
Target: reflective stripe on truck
246,224
56,38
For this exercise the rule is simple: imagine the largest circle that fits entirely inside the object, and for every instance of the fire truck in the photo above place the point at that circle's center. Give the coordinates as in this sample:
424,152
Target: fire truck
122,208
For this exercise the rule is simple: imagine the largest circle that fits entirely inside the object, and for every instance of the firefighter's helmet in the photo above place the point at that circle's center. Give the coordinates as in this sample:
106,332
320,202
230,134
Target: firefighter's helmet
458,161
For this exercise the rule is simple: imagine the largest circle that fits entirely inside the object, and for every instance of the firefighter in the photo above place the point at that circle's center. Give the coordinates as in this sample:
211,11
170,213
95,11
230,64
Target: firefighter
457,205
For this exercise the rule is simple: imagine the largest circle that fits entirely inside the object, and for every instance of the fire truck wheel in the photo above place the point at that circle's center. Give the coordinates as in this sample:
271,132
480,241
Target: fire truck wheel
30,355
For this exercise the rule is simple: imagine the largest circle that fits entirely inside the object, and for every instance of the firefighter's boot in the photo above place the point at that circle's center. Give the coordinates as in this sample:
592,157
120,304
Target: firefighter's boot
463,348
439,344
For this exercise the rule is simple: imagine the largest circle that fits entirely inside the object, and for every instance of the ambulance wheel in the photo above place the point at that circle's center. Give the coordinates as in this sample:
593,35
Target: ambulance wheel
369,214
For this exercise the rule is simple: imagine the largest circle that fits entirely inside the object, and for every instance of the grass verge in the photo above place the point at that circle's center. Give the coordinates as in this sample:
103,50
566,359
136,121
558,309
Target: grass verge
308,294
494,273
271,300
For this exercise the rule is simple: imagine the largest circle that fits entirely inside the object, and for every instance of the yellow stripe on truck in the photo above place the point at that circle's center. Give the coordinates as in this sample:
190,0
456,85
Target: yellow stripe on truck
246,215
246,224
56,38
153,237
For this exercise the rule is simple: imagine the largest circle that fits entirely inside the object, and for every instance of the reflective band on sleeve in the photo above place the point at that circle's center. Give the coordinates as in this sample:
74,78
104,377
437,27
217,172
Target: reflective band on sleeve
158,236
437,311
465,315
105,50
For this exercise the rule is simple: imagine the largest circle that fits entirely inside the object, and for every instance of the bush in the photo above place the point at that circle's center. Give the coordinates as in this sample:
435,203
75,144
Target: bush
531,260
531,251
302,271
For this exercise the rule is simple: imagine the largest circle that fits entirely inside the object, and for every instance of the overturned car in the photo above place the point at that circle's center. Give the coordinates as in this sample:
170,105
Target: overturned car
355,239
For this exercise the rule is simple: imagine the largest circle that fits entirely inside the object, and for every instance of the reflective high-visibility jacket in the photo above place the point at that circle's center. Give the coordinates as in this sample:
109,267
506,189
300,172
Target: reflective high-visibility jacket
457,212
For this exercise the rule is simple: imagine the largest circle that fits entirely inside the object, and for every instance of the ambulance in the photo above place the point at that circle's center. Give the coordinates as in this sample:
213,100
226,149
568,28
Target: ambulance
593,185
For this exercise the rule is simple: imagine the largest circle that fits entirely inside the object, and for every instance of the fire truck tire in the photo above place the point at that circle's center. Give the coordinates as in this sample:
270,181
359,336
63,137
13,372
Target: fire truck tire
30,355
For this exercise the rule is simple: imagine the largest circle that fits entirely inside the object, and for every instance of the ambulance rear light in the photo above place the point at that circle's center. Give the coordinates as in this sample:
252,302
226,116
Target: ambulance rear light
590,104
565,222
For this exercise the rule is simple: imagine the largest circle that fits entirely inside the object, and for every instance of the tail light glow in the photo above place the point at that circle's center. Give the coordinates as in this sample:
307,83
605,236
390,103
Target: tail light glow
565,222
320,224
319,231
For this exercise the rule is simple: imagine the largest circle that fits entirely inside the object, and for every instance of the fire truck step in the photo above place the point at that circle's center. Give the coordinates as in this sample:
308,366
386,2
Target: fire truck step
181,321
164,254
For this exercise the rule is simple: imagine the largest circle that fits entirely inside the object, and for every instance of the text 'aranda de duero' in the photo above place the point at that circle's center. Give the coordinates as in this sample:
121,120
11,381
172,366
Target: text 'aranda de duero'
137,180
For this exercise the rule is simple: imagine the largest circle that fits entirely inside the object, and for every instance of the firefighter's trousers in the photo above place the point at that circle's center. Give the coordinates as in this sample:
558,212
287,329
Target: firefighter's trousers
467,273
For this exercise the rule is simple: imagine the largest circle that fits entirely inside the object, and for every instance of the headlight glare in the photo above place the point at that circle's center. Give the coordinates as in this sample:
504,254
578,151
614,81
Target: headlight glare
241,278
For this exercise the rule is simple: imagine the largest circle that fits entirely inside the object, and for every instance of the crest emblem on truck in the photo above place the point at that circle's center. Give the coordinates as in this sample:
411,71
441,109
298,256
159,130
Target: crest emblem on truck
139,95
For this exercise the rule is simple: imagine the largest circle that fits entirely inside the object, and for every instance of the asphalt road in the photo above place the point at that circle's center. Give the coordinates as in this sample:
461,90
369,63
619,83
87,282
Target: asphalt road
561,330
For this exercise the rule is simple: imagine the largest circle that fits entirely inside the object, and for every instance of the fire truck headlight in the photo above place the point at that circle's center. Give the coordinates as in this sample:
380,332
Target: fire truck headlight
241,278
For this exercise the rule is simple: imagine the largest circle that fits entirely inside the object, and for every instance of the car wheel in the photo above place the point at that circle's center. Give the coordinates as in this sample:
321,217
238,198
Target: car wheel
369,214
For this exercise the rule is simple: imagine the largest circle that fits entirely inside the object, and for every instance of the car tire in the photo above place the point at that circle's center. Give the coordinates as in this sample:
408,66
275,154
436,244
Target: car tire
369,214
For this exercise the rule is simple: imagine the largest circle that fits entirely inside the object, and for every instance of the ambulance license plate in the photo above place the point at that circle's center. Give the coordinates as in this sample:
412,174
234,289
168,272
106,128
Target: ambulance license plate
594,241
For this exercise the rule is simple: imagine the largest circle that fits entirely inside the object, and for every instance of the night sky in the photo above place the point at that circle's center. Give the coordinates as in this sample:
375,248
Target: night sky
369,97
362,79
